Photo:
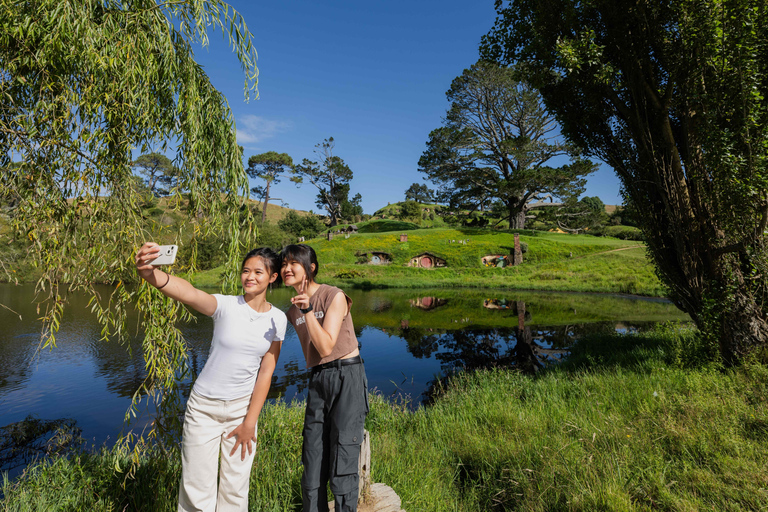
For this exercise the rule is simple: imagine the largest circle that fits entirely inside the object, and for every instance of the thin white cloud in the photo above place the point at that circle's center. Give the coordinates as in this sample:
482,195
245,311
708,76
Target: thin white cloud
254,129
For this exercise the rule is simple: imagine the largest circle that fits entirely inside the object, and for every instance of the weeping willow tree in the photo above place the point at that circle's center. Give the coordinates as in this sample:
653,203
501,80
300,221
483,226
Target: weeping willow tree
84,83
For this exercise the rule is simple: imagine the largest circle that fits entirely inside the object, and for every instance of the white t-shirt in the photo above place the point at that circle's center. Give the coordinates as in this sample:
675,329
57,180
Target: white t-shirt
241,337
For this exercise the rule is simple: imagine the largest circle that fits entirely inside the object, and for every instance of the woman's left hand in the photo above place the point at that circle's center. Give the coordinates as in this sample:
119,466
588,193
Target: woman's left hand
302,299
245,434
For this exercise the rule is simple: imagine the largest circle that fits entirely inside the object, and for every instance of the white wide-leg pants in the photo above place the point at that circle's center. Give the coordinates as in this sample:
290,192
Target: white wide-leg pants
206,425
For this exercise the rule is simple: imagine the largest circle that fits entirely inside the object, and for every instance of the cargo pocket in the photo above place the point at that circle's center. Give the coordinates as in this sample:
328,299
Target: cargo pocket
349,451
345,478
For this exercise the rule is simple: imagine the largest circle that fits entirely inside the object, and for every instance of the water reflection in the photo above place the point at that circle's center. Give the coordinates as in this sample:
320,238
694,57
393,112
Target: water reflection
407,338
428,303
470,348
32,438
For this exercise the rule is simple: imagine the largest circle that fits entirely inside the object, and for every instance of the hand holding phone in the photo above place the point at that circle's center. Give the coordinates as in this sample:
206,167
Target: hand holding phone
167,255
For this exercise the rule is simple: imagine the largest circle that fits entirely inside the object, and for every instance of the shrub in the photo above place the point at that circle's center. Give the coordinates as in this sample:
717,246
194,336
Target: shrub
409,209
348,274
624,232
273,237
210,252
297,225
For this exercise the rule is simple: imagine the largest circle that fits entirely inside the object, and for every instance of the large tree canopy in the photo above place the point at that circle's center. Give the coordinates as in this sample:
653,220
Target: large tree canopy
497,145
673,96
330,175
158,173
269,167
419,193
84,83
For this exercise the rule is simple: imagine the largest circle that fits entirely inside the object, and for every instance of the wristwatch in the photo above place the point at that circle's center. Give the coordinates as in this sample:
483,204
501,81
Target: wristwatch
305,311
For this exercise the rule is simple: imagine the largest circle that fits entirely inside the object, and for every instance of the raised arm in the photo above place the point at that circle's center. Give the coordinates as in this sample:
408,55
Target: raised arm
172,286
324,336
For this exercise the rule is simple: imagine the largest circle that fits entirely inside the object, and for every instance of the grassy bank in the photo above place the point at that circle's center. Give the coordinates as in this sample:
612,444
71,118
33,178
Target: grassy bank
633,422
553,262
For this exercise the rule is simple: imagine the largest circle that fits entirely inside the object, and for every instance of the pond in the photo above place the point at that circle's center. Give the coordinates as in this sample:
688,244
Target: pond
409,338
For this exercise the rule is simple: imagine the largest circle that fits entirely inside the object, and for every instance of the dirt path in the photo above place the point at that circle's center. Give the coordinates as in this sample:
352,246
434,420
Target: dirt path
605,252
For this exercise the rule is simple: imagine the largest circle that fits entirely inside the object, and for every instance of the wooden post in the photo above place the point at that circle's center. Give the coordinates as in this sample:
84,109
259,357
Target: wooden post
372,497
330,236
364,468
517,258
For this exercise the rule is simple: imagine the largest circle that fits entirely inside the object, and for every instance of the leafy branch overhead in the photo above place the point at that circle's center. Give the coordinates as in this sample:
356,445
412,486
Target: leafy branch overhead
85,83
497,145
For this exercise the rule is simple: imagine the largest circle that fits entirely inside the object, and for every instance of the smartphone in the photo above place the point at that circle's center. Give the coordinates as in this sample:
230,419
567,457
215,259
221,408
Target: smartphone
167,255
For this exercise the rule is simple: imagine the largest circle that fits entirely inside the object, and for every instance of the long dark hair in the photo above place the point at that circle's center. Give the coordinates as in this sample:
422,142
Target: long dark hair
303,254
270,258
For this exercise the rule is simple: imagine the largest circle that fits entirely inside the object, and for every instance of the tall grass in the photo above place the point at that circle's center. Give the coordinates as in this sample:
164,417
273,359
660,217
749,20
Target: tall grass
627,423
623,425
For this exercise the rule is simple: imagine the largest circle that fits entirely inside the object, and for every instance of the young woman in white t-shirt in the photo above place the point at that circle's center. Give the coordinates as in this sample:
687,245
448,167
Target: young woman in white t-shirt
223,409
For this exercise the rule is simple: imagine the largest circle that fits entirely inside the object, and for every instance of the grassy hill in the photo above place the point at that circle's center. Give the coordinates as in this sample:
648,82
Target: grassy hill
275,212
554,262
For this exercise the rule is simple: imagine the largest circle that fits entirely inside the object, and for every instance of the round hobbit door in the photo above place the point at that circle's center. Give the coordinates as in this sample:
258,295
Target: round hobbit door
426,262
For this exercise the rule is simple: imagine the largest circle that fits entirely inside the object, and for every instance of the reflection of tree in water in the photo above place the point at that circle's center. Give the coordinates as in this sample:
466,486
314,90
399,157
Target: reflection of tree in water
294,374
20,340
528,349
522,347
421,342
24,441
15,363
125,370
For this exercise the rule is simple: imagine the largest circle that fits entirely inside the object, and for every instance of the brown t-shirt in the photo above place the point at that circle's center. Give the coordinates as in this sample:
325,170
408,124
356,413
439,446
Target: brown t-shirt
321,300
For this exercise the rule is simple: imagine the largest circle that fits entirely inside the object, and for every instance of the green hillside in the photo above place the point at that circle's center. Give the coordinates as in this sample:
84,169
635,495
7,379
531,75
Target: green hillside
463,247
554,262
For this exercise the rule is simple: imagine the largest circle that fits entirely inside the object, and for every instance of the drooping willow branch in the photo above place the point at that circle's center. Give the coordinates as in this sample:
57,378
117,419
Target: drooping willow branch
84,84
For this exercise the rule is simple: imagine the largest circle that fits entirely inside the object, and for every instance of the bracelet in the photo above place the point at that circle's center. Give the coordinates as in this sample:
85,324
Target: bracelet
166,283
305,311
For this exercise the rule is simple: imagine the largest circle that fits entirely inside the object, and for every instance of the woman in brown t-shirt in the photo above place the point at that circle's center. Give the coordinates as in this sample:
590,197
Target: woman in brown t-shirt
337,395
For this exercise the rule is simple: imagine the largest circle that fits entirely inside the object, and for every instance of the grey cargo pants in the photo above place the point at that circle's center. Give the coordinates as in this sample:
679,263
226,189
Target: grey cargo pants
337,403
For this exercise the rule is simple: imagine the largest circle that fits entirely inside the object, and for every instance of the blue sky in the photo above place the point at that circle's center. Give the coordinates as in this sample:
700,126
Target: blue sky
372,75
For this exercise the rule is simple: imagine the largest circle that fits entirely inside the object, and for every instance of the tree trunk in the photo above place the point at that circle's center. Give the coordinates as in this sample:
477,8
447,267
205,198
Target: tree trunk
516,215
744,328
264,206
682,229
516,219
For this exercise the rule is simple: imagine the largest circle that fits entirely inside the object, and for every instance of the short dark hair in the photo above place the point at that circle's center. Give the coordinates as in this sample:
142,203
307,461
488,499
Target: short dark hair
270,258
304,255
